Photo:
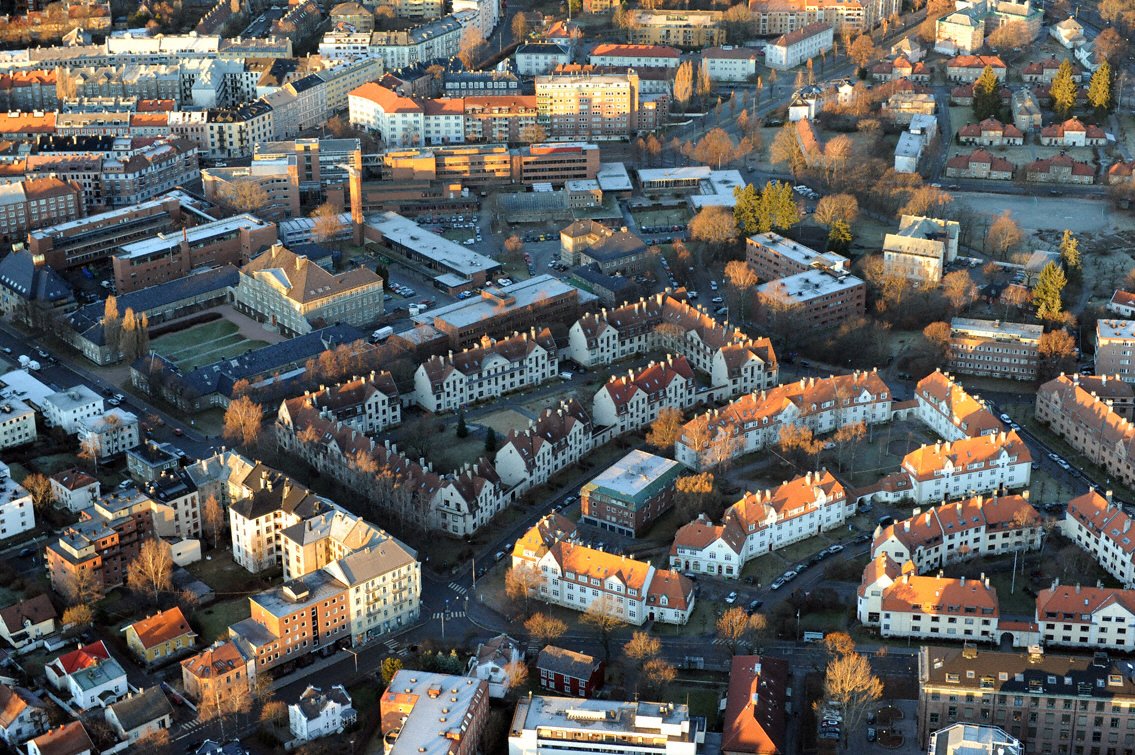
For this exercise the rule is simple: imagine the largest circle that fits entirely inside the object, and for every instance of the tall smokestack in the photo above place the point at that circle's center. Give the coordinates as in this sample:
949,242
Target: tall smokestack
355,186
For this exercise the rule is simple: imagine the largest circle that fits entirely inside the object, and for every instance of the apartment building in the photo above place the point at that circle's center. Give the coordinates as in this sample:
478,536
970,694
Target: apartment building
1086,617
34,203
979,465
951,413
588,107
953,532
930,607
436,40
635,56
1093,416
575,576
980,164
416,702
1050,702
1115,341
17,423
84,240
799,46
921,248
571,725
499,118
367,403
730,64
589,242
761,523
1060,169
233,132
384,586
539,58
483,372
1103,530
218,670
68,409
818,298
753,421
169,256
296,296
557,438
275,177
993,348
631,494
687,29
17,514
112,433
630,403
772,256
74,489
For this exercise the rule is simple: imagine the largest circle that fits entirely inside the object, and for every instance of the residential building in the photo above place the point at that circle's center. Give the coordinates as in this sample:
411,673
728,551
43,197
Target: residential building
384,587
369,403
935,608
1102,528
233,132
568,672
32,291
17,513
1122,303
753,421
141,714
944,406
991,133
68,409
631,402
169,256
994,348
17,423
296,296
589,107
797,47
690,29
74,489
631,494
968,68
264,502
635,56
1096,618
24,624
221,667
88,676
413,704
952,532
69,739
161,636
556,439
114,432
815,299
575,576
1115,340
1072,133
984,464
757,706
1026,110
1060,169
483,372
980,164
961,32
908,152
34,203
900,68
921,248
730,63
493,662
149,460
760,523
570,726
972,683
1069,33
973,739
23,715
901,106
320,714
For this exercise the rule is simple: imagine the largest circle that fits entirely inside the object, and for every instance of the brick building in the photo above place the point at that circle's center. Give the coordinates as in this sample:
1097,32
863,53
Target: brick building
994,348
631,494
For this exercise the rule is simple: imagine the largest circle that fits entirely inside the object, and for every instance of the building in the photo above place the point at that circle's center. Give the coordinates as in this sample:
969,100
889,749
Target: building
994,348
17,513
1086,617
26,623
688,30
991,133
984,464
908,152
454,264
17,423
799,46
210,674
980,164
1122,303
968,68
953,532
973,739
1115,340
413,704
161,636
570,726
493,663
296,296
539,58
962,32
141,714
970,684
932,607
149,460
815,299
1060,169
112,433
951,413
369,404
635,56
631,494
68,409
1072,133
587,242
568,672
88,676
320,714
69,739
168,257
631,402
1101,528
557,438
921,248
31,291
23,715
611,103
74,489
757,706
33,203
761,523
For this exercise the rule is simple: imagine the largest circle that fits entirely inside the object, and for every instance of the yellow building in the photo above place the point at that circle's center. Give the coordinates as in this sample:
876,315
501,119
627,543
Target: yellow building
162,635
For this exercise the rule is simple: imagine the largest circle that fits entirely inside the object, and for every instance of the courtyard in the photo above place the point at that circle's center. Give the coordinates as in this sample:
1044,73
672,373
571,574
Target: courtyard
204,343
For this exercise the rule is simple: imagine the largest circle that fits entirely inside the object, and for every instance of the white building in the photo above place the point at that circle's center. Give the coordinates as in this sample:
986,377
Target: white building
88,676
571,726
17,423
556,439
406,122
903,604
970,466
320,714
633,401
67,409
1103,530
26,623
22,715
491,661
1086,617
974,739
115,432
921,248
730,63
539,58
141,714
908,152
369,403
798,47
761,523
17,514
488,13
944,406
384,584
635,56
483,372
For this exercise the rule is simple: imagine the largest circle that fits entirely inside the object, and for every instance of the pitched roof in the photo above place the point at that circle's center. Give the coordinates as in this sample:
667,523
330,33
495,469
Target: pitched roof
965,453
13,702
756,706
218,660
387,99
801,34
36,610
979,157
976,61
303,281
931,527
77,660
567,662
141,708
941,596
1075,604
1073,125
669,589
952,401
1045,165
73,478
634,51
69,739
162,627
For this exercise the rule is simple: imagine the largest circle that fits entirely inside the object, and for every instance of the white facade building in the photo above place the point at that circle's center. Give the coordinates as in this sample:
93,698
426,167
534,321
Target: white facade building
730,63
17,514
1086,617
320,714
1103,530
114,432
981,465
68,409
17,423
571,726
633,401
796,48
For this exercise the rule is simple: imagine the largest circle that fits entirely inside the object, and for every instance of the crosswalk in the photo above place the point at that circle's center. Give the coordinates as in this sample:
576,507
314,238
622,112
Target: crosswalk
450,615
190,726
459,589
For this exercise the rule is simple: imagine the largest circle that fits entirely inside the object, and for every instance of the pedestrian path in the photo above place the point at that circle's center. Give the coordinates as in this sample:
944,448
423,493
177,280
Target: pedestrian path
450,615
459,589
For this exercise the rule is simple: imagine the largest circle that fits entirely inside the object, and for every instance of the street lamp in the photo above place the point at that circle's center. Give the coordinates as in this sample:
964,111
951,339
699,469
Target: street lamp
355,656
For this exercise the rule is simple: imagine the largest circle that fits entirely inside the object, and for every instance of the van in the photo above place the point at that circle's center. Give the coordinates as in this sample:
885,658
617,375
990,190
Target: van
813,637
566,375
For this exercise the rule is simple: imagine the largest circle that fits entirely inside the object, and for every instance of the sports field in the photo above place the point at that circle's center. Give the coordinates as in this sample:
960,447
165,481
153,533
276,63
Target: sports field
203,344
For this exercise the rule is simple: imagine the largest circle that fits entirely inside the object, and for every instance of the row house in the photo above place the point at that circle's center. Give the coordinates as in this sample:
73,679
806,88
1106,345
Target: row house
938,607
761,523
576,577
900,68
1060,169
485,371
943,405
1044,71
980,164
1086,617
1093,416
991,133
970,466
959,531
968,68
556,439
1103,530
630,403
635,56
368,403
1072,133
753,421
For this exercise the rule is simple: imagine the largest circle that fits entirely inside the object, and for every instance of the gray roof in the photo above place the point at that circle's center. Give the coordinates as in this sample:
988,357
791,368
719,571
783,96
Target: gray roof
567,662
19,274
314,700
142,708
364,565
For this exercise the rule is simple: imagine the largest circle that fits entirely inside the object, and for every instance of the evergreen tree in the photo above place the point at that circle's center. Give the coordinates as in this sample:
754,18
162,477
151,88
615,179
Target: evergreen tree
1070,251
684,84
462,429
1099,88
490,440
1047,294
1063,90
986,95
839,237
747,210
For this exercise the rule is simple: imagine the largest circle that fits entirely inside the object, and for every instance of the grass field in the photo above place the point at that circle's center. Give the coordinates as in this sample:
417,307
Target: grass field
215,619
668,216
204,344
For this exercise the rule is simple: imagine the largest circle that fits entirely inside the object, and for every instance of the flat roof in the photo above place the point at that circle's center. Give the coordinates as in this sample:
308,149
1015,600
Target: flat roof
166,241
409,234
599,716
103,219
910,145
74,397
421,730
997,329
802,255
677,173
613,177
489,303
319,585
810,284
637,477
29,387
1115,329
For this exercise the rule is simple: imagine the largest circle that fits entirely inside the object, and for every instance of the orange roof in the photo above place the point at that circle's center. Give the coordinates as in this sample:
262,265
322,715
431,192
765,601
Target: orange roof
68,739
389,100
149,119
951,400
883,567
975,61
1074,604
597,564
216,661
27,123
634,51
677,589
1096,514
924,462
1060,161
155,106
1123,298
162,627
980,156
84,657
13,702
756,706
940,595
444,106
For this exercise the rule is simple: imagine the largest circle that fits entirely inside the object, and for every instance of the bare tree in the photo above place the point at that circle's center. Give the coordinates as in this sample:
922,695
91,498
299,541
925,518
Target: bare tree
242,422
327,225
517,674
732,628
1003,236
213,517
544,628
692,494
603,615
245,195
665,429
835,207
850,682
523,581
151,571
743,280
657,673
78,616
39,488
959,289
472,47
642,646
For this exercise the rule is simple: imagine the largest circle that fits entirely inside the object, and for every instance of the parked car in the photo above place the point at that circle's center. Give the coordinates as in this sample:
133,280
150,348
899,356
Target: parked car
777,584
755,605
835,548
731,598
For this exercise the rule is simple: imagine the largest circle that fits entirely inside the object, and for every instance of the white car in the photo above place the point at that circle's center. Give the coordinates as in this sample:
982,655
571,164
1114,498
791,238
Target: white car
776,585
835,548
731,598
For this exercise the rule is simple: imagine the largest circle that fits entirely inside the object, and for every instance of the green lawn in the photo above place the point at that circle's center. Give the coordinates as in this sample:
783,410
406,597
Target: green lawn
214,620
204,344
702,701
225,576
